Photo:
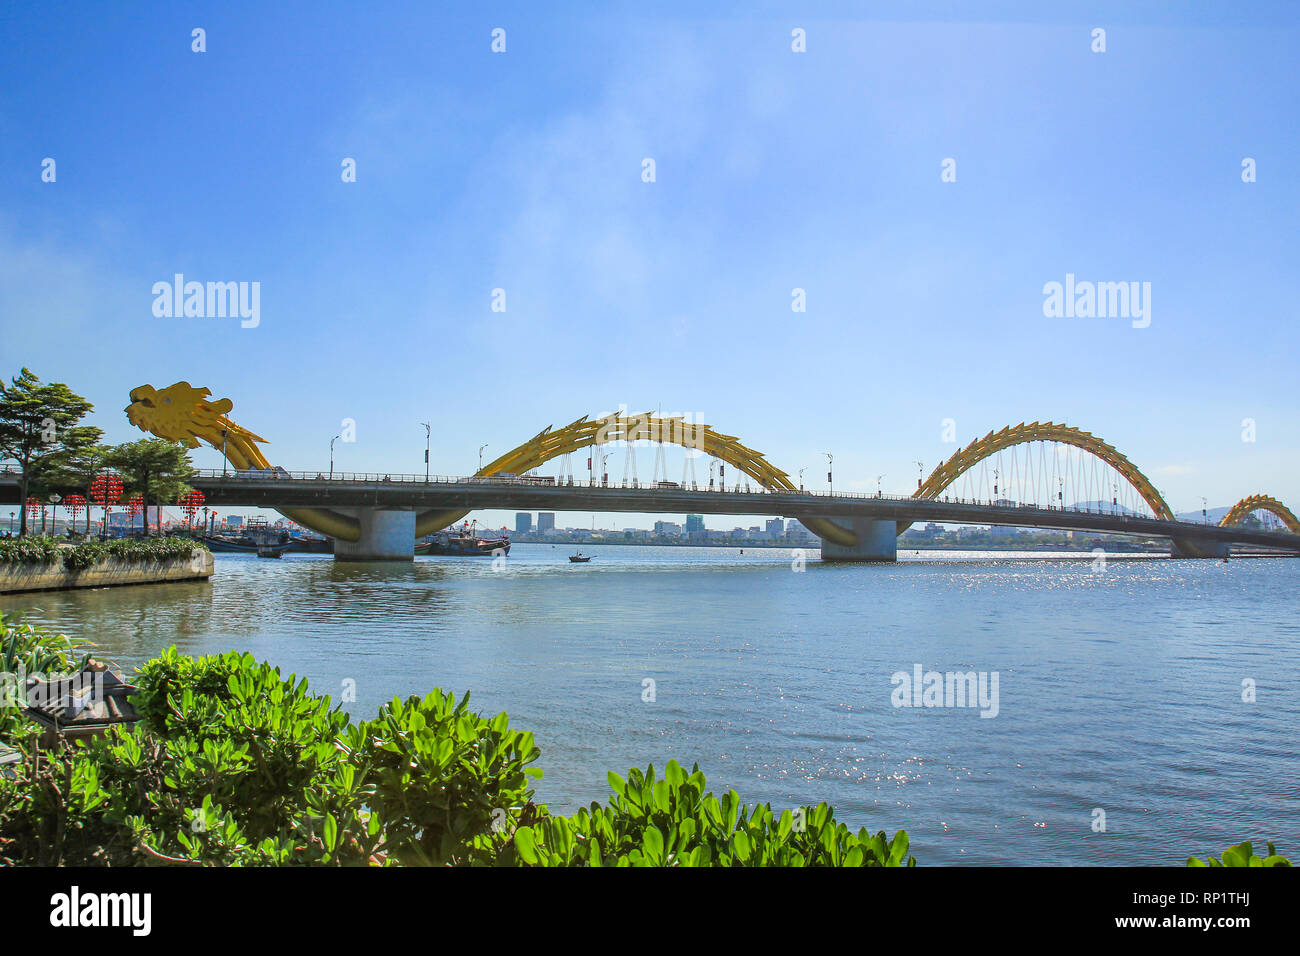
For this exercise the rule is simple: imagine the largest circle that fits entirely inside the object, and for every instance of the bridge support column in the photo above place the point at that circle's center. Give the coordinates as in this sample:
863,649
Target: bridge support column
877,541
1198,548
385,536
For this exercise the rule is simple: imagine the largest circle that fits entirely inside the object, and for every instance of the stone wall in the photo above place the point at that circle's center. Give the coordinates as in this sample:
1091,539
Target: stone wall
109,573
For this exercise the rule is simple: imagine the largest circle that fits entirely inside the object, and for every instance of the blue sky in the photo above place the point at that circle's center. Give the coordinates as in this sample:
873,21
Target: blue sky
775,170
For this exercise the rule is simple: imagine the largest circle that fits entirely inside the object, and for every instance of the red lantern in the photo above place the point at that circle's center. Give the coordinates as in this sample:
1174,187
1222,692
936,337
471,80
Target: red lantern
34,506
106,489
190,503
134,505
74,504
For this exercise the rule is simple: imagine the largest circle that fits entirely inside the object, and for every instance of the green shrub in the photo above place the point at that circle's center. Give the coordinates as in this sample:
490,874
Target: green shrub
30,550
676,822
233,764
131,550
448,784
47,550
1242,855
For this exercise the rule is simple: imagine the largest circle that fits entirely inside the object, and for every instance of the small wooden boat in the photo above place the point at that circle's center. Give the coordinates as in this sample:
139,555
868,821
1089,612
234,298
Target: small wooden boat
579,558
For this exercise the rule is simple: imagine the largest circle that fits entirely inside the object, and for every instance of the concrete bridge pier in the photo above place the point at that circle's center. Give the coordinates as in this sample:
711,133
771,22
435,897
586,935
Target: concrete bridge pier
877,540
385,536
1198,548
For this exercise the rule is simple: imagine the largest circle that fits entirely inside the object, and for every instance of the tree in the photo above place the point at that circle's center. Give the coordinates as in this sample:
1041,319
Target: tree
80,470
155,469
39,431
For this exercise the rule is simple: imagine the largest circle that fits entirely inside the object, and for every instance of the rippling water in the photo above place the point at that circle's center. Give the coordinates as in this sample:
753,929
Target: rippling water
1119,688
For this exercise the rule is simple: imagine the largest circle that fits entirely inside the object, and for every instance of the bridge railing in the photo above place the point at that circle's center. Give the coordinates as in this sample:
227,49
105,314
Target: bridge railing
359,477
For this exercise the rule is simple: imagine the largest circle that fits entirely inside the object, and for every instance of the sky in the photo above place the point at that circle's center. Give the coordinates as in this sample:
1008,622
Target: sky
774,170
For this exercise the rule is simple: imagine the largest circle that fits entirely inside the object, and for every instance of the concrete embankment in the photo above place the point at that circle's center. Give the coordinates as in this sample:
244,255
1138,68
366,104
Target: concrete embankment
112,572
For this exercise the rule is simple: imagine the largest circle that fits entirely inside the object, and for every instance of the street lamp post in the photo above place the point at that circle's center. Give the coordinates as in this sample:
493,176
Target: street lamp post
801,471
332,441
224,433
830,462
879,478
54,511
920,470
426,451
11,524
480,456
1204,516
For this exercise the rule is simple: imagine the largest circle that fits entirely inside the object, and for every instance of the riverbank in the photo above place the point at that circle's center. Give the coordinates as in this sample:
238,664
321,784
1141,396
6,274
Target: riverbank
44,564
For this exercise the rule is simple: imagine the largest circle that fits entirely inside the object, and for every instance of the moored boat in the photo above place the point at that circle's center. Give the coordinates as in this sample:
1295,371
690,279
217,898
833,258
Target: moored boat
464,542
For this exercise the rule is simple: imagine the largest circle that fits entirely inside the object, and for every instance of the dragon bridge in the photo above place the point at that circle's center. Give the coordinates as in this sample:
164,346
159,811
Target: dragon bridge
185,414
1013,435
1238,512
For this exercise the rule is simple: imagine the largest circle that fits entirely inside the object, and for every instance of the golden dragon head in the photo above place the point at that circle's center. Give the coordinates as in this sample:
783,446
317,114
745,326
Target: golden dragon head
183,413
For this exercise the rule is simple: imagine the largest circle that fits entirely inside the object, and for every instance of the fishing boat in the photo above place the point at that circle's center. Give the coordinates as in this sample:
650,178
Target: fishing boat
258,539
464,541
241,544
312,544
579,558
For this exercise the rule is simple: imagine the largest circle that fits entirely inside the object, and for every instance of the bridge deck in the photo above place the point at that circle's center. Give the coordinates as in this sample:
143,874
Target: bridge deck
305,489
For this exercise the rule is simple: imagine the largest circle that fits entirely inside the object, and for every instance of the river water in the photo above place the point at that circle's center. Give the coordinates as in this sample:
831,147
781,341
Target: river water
1119,687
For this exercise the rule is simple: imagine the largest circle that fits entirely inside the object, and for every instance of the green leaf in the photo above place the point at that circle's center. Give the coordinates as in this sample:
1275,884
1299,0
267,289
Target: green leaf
526,845
652,842
741,844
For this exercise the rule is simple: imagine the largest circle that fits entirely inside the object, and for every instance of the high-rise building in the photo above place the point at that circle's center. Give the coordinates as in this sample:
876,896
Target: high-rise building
694,523
545,521
523,522
670,528
775,528
795,531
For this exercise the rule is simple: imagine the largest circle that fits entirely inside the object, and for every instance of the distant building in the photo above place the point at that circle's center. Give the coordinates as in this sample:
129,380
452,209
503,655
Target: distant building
775,528
694,523
545,521
523,522
669,529
795,531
